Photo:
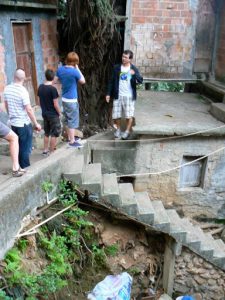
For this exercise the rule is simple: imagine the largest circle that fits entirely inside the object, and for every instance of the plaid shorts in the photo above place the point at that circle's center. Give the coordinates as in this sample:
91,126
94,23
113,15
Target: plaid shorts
123,105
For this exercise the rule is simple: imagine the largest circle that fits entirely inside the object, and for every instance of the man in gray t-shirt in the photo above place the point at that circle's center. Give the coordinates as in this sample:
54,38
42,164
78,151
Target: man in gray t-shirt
17,102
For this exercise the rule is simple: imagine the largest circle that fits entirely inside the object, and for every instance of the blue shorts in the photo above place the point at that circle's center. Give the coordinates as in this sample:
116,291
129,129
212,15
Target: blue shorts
71,114
4,130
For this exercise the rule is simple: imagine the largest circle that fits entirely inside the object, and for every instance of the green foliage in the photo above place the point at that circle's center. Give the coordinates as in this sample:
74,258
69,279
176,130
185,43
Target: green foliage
3,296
62,8
99,256
134,271
46,186
112,250
67,194
168,86
22,244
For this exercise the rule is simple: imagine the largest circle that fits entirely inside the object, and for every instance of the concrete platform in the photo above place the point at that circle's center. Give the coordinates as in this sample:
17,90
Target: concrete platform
167,113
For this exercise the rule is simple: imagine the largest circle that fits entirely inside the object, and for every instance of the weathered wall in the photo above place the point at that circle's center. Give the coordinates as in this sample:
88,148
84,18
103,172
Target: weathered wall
162,35
193,275
49,43
2,64
220,58
166,187
26,194
44,41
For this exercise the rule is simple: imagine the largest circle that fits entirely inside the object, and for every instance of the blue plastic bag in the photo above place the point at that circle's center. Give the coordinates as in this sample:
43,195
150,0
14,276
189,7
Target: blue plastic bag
113,287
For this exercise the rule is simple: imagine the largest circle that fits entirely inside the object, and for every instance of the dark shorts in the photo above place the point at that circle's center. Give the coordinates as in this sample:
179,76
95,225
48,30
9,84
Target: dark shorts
52,126
4,130
71,114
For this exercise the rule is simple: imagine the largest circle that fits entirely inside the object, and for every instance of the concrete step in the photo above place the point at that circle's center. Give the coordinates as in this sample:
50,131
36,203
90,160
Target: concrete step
218,111
219,254
145,209
75,172
111,189
192,240
161,220
207,248
128,200
176,229
92,178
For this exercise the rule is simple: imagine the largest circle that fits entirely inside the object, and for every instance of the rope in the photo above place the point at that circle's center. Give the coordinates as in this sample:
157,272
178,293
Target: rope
172,169
158,139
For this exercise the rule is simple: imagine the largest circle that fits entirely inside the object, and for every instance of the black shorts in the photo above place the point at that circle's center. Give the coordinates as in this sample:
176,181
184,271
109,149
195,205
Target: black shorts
52,126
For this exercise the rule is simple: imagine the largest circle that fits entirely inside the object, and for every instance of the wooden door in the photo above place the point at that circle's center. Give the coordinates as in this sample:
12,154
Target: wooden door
205,33
24,50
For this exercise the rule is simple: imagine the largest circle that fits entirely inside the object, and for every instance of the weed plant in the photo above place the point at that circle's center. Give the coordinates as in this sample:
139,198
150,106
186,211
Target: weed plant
77,245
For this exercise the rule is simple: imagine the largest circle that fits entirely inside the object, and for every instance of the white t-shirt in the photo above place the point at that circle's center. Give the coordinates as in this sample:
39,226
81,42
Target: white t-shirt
124,83
17,97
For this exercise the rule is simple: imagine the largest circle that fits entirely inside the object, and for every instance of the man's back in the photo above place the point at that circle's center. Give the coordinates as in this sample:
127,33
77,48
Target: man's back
17,97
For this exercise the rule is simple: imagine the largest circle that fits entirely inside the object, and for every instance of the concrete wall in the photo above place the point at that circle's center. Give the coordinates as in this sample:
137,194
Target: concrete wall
195,276
26,195
220,58
44,40
154,157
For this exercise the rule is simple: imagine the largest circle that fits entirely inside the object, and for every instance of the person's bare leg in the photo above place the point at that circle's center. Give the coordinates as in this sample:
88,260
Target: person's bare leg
46,142
53,142
71,133
12,138
129,124
118,123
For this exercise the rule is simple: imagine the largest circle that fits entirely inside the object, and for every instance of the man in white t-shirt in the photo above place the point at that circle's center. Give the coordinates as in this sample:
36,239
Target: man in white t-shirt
17,102
122,89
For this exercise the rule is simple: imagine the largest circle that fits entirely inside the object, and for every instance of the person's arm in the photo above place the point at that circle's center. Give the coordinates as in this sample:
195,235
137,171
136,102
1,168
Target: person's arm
138,77
56,106
6,106
82,79
31,115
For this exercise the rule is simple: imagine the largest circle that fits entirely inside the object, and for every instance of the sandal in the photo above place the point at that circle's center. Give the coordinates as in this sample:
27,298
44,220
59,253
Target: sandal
18,173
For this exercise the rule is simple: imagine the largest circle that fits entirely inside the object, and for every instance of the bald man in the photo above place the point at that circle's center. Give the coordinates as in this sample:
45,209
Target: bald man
17,102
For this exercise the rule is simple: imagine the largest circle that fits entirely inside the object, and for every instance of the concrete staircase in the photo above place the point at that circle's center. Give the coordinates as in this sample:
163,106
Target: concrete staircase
152,213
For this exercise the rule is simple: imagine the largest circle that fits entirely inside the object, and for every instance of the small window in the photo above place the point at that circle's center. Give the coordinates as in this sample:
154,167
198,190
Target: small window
192,175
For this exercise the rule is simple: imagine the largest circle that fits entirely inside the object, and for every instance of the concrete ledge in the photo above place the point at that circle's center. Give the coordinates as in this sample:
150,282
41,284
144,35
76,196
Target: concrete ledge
22,196
218,111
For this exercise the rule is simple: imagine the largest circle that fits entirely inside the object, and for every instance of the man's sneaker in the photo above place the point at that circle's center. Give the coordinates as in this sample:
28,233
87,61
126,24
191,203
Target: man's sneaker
45,153
125,135
75,145
117,134
77,138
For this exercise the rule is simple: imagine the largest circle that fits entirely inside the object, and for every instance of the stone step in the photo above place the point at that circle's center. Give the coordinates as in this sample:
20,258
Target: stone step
218,111
92,178
76,169
192,240
176,229
145,209
222,244
207,248
219,254
111,189
128,200
161,220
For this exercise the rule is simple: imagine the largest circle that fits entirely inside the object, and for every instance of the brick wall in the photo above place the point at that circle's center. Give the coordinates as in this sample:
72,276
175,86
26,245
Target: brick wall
49,43
220,59
162,37
2,67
